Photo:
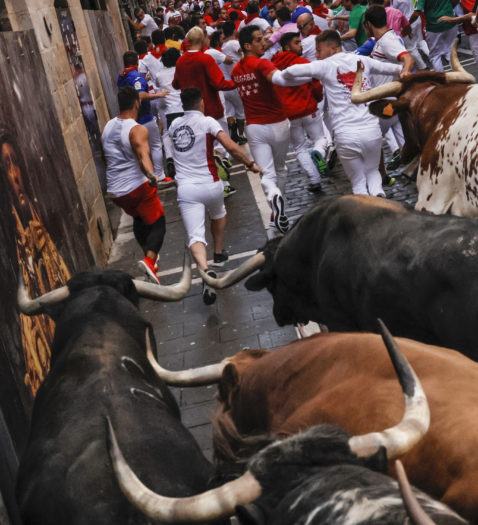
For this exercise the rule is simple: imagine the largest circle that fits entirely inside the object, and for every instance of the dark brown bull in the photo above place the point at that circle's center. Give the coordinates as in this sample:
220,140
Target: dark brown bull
438,113
346,379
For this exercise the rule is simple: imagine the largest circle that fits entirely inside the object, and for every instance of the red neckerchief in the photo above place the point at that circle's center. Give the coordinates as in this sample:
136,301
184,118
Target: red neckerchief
142,56
127,70
158,51
250,18
315,31
219,48
321,11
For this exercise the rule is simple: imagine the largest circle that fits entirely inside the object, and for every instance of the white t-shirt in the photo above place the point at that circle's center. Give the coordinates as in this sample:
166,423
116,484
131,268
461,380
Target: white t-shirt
232,49
263,24
123,174
150,64
309,48
193,137
149,25
388,48
172,14
337,74
219,57
164,80
405,6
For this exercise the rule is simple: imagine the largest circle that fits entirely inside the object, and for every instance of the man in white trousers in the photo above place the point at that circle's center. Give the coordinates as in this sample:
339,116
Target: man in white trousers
267,126
357,133
199,186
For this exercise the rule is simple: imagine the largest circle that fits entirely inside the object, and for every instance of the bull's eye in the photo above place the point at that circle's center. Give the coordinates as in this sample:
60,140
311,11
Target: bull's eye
137,392
132,366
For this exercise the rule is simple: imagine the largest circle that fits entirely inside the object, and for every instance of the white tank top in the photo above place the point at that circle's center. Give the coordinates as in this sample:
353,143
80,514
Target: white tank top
123,174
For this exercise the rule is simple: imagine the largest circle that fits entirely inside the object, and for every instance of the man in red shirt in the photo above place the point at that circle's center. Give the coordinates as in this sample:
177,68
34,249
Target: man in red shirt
196,69
267,126
300,105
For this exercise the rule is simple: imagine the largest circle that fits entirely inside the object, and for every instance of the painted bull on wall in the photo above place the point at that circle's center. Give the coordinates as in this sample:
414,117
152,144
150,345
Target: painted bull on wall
439,117
320,476
346,379
352,259
99,368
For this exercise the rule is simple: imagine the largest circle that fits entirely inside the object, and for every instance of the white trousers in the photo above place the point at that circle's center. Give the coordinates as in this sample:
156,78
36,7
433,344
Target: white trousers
412,42
440,46
155,146
310,126
359,154
392,131
193,201
233,106
473,39
269,144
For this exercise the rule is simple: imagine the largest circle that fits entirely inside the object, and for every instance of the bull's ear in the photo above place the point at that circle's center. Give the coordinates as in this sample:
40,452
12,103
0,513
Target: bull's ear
228,383
382,108
256,282
378,461
250,515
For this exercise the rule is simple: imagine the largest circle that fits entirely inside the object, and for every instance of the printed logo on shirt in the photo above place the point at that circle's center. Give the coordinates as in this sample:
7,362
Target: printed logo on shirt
183,138
137,85
247,89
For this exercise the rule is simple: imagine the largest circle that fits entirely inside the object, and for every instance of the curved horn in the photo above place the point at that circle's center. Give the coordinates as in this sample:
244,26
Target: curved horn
386,90
36,306
459,73
173,292
415,422
414,510
234,276
204,375
210,505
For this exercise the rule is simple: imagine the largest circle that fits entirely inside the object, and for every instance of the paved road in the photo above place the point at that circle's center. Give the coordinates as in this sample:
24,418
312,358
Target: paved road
188,333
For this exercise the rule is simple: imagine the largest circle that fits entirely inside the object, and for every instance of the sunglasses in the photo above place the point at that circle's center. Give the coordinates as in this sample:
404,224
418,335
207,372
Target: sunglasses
300,27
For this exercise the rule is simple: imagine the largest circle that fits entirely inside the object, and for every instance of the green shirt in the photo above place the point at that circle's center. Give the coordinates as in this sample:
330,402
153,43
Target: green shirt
356,22
433,10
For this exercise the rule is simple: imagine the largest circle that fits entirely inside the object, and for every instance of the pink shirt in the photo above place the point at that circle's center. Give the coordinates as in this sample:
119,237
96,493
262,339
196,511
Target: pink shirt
288,27
396,20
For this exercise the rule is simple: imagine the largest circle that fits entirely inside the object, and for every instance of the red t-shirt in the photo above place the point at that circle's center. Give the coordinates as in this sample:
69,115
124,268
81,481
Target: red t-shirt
297,101
196,69
258,95
208,19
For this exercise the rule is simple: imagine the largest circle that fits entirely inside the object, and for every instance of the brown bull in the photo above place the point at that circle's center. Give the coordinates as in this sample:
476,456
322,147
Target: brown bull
346,379
438,113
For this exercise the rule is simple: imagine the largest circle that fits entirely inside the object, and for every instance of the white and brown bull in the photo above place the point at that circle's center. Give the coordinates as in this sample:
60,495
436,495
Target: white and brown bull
439,117
347,380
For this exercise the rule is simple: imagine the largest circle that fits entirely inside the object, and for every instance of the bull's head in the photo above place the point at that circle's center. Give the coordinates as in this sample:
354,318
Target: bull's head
278,269
174,292
223,500
411,93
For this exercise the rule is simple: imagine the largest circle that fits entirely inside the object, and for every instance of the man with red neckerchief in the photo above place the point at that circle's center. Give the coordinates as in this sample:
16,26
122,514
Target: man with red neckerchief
320,12
253,18
300,104
236,6
308,32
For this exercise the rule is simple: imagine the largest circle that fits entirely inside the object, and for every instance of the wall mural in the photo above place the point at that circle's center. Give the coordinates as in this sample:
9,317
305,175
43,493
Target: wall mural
43,229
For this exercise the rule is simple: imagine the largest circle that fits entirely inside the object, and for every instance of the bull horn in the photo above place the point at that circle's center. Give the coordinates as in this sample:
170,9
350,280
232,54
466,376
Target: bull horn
415,422
234,276
210,505
36,306
458,73
389,89
173,292
414,510
204,375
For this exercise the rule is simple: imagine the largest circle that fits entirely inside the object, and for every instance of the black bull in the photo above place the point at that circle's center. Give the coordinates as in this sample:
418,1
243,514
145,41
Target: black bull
99,369
352,259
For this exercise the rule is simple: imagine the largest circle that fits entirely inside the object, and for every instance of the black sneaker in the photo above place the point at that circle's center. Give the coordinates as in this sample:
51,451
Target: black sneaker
220,259
208,293
315,188
170,167
228,191
281,221
331,157
395,161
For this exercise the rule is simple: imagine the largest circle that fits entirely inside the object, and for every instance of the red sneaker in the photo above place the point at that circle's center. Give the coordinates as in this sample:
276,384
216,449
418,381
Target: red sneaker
147,267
